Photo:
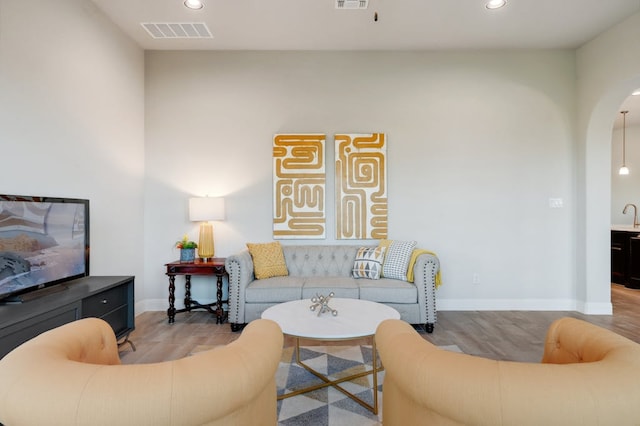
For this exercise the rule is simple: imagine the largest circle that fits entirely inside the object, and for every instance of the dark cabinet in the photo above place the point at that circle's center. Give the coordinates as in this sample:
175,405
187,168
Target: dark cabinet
112,306
633,278
12,335
109,298
625,258
619,256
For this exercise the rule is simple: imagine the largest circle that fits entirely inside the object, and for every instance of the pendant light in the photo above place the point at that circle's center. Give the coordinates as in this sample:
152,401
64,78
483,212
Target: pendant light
624,170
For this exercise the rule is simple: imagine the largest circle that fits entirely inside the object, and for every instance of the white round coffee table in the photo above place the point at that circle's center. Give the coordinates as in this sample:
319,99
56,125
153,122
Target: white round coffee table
355,319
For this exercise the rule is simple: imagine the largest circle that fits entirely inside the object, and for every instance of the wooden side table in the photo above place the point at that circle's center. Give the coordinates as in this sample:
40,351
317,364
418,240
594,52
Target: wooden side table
213,267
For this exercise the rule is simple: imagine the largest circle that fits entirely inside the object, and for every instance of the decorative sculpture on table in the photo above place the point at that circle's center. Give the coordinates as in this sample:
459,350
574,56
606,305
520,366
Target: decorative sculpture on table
321,303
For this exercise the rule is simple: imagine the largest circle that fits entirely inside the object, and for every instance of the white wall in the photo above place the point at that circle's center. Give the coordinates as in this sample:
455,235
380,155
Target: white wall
625,189
477,144
72,121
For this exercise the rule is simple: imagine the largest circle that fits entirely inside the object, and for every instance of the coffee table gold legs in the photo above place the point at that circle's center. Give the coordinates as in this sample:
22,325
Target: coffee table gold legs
336,382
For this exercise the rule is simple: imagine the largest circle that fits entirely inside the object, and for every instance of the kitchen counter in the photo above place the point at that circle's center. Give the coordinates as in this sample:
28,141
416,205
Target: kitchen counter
625,228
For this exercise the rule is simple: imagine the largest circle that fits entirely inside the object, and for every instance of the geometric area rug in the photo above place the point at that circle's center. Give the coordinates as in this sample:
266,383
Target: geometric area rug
328,406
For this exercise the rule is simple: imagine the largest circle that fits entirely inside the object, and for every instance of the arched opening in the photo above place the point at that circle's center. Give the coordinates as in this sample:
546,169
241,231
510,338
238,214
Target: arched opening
625,194
625,188
594,244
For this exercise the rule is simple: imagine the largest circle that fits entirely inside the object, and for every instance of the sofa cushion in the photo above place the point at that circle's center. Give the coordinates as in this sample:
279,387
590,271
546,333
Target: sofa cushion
268,260
274,290
397,259
320,261
340,286
388,290
368,263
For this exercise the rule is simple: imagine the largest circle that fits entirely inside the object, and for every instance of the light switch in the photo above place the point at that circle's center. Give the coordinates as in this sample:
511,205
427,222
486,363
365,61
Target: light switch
555,203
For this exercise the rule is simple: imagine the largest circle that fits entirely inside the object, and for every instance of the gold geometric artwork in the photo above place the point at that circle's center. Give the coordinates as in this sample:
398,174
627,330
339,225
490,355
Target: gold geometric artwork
299,180
361,186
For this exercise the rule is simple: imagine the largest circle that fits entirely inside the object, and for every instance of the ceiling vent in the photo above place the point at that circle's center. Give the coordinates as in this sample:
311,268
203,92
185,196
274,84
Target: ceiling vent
352,4
177,29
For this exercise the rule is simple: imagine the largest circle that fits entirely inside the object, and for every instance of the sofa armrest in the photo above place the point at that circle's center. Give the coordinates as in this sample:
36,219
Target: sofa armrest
239,266
424,271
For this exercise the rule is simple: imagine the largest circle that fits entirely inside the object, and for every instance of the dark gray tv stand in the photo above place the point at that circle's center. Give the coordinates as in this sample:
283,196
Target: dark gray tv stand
109,298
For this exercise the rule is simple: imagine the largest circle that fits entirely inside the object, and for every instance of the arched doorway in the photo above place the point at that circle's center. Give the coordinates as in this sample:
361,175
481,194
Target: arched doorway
593,227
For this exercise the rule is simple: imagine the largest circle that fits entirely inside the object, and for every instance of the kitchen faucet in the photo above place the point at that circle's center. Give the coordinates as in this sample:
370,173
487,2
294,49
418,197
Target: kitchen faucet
635,214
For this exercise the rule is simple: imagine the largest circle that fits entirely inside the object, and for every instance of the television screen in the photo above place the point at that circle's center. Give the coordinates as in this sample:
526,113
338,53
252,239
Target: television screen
43,241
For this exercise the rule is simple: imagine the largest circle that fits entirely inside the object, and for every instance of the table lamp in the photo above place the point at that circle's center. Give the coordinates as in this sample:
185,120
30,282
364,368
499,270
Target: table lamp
204,209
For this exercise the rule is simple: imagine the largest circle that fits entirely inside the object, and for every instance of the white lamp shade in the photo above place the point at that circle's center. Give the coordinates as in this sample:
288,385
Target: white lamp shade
203,209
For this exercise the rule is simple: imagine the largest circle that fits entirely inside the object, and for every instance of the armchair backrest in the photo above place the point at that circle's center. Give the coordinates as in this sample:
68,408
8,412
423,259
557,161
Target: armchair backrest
72,375
596,382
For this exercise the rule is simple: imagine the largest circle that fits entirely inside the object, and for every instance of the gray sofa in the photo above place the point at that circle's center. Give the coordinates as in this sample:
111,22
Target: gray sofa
320,269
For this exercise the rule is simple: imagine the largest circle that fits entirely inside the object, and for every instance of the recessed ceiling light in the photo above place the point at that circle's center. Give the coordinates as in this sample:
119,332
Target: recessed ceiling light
194,4
636,93
495,4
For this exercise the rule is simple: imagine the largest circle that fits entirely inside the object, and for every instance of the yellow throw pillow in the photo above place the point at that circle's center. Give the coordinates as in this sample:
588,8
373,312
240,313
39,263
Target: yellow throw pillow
385,245
268,260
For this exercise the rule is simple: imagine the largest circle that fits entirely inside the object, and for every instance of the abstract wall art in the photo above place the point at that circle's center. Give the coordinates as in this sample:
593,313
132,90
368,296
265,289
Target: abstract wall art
299,180
361,186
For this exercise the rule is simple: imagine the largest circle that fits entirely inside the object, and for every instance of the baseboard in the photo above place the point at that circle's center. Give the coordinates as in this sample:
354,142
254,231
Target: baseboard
460,305
506,305
149,305
595,308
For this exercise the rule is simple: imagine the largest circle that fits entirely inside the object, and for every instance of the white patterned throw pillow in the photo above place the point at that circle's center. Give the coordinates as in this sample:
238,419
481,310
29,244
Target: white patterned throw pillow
397,259
368,263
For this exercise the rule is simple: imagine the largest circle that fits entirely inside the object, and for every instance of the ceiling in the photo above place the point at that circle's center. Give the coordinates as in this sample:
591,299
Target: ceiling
631,104
401,25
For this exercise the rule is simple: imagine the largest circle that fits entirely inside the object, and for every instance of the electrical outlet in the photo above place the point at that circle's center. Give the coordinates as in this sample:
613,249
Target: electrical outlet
476,278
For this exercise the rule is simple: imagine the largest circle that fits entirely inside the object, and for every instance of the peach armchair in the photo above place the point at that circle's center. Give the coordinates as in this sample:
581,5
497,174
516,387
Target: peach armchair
588,376
72,375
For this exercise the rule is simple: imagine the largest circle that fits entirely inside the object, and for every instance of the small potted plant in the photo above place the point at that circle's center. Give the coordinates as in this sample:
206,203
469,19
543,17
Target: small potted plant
187,249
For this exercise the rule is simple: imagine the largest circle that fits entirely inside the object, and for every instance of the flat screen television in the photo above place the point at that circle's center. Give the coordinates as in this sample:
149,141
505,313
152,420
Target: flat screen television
44,241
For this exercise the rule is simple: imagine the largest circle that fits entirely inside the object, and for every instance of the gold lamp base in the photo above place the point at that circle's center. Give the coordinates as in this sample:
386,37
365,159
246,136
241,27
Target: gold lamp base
205,241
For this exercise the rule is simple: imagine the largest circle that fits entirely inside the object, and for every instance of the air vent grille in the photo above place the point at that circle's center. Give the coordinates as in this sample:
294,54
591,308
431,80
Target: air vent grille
177,29
352,4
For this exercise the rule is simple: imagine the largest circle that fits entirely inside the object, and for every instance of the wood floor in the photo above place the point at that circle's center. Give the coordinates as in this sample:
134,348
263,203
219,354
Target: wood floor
507,335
